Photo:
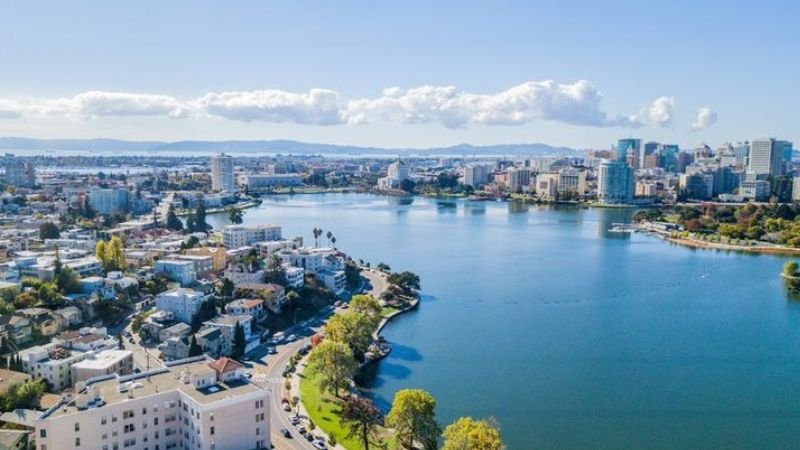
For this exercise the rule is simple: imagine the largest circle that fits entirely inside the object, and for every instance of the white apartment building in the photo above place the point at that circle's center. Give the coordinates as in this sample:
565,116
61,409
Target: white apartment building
222,176
253,307
203,265
109,201
182,303
181,271
295,276
477,175
192,404
106,362
51,363
235,236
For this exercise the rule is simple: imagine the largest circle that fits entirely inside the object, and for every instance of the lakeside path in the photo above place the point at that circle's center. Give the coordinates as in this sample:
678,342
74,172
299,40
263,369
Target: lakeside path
761,249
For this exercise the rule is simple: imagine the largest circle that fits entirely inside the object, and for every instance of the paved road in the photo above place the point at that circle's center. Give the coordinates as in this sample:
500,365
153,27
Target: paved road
268,372
270,367
377,280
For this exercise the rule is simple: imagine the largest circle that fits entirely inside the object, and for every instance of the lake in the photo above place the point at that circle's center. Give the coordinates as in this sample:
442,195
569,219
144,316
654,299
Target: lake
570,336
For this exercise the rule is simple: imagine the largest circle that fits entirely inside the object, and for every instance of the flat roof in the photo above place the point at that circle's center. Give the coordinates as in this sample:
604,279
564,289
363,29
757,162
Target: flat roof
103,359
9,378
167,380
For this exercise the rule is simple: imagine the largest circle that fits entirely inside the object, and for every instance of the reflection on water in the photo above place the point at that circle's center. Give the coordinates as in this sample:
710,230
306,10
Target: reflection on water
518,207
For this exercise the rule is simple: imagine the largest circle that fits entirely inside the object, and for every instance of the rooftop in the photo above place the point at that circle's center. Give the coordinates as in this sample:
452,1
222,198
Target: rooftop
174,378
103,359
10,378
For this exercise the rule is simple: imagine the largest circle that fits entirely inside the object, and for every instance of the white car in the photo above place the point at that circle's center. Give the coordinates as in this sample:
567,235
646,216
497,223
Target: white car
320,445
294,420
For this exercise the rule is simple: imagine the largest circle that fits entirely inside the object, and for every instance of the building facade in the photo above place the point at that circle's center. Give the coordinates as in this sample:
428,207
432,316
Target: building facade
222,176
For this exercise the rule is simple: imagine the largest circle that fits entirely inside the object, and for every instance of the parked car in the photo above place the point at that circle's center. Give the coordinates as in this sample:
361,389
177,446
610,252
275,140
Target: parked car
301,429
286,433
294,420
287,407
320,445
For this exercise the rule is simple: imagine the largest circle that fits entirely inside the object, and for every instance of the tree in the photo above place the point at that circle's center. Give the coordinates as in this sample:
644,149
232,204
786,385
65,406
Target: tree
226,288
194,348
329,235
48,294
367,305
317,234
790,269
467,433
238,341
414,419
100,251
173,222
234,214
407,186
23,395
407,281
49,230
353,329
275,272
383,267
362,419
67,281
334,364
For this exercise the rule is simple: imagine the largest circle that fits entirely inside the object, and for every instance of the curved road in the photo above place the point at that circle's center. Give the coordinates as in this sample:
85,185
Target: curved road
268,369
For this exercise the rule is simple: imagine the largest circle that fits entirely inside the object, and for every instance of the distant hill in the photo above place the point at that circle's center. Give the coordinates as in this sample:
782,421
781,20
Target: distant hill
11,144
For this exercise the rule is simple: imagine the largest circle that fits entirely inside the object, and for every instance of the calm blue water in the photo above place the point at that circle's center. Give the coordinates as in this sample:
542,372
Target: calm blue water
570,336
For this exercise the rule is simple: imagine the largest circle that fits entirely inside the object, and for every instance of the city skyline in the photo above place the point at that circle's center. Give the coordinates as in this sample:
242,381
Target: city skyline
396,76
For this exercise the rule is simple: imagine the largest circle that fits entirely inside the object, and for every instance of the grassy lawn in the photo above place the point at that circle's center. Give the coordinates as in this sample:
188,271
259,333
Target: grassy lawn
387,310
323,409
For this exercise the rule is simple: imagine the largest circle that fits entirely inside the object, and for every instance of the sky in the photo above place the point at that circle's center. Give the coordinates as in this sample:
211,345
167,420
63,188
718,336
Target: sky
401,74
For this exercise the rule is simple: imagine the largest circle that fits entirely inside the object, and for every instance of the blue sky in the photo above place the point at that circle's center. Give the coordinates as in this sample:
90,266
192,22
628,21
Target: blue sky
400,73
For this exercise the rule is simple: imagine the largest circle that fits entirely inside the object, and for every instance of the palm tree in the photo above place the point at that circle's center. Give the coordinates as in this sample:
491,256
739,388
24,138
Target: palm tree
333,240
317,234
329,235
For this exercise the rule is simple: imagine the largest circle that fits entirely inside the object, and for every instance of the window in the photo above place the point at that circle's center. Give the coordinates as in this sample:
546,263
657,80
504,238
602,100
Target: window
211,417
43,433
113,418
105,446
144,411
103,420
155,421
212,430
77,442
105,435
77,426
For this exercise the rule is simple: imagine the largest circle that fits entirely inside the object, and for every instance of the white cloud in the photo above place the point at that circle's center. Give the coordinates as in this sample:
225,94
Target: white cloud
659,113
576,104
94,104
705,118
10,109
315,107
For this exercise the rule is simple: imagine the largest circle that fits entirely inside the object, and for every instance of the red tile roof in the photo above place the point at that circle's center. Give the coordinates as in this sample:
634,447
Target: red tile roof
225,364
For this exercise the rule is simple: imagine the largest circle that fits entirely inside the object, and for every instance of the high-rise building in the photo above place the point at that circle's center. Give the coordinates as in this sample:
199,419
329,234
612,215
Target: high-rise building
648,149
476,175
19,172
667,157
615,183
626,147
518,179
109,201
572,180
767,157
222,176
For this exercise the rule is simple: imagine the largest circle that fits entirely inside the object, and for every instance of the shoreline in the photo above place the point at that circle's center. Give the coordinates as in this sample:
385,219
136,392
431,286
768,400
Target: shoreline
757,249
238,206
